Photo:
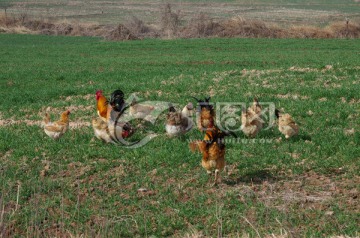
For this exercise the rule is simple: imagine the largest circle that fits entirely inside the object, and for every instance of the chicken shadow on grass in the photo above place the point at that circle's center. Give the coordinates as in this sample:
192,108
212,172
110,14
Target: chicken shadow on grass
254,177
301,137
275,134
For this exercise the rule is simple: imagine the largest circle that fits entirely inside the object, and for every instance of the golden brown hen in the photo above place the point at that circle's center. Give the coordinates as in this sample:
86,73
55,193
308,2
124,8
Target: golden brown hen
212,149
205,114
251,121
256,107
101,130
58,128
287,126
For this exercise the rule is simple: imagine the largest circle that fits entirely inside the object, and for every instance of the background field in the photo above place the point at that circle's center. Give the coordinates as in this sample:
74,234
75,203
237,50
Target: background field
130,20
315,13
306,186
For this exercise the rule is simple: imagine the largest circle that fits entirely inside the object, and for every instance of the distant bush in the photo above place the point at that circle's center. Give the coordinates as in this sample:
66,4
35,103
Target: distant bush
140,29
201,26
341,30
121,32
308,32
169,22
239,27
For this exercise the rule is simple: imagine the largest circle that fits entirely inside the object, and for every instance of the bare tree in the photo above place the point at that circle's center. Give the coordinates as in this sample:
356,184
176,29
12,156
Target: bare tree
170,21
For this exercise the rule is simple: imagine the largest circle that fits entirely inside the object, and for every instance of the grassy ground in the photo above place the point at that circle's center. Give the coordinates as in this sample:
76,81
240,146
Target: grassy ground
306,186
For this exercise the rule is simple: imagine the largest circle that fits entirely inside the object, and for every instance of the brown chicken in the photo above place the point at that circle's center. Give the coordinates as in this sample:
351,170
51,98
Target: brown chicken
287,126
205,114
255,107
212,149
251,121
101,130
177,123
101,105
56,129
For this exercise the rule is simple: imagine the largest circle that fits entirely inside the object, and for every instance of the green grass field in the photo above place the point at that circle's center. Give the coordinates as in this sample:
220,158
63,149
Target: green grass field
307,186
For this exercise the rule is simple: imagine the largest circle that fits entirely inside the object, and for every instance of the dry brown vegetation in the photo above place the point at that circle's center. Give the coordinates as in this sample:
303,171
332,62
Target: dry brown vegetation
170,25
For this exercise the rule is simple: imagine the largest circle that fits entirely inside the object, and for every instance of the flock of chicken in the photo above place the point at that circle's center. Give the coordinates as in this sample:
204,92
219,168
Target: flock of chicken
112,126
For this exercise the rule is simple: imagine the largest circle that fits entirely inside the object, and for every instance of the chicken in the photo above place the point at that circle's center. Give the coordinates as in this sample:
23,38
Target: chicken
213,157
127,130
177,123
56,129
46,119
101,130
255,107
188,110
251,123
212,149
120,130
140,110
116,106
205,114
117,101
101,105
287,126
